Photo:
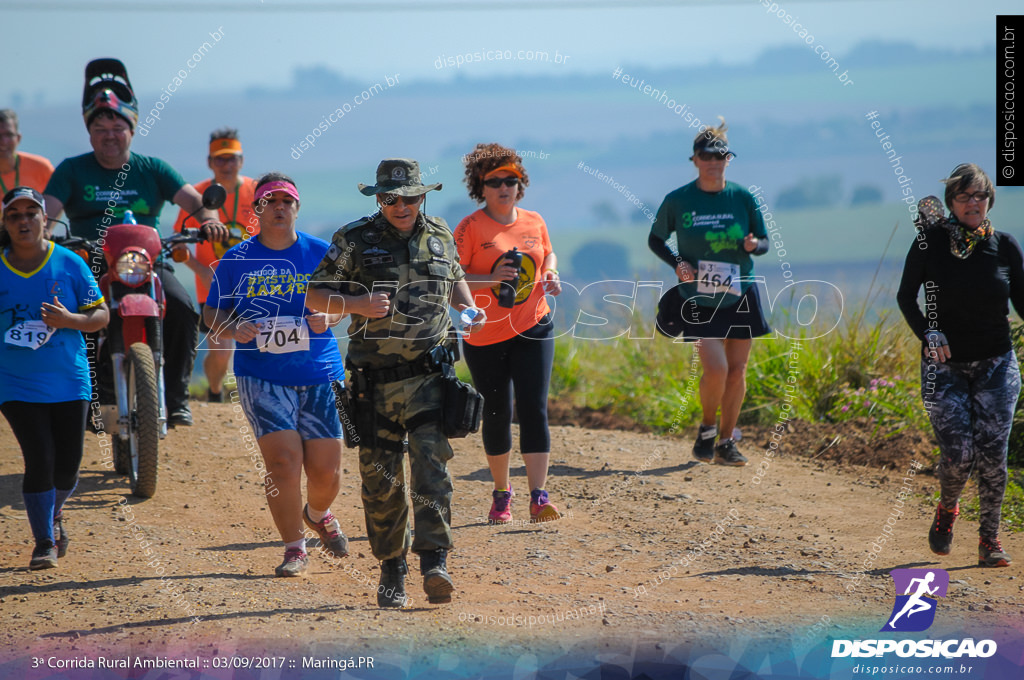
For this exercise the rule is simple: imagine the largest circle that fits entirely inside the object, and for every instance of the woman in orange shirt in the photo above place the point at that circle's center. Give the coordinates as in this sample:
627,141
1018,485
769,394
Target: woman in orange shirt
513,353
225,159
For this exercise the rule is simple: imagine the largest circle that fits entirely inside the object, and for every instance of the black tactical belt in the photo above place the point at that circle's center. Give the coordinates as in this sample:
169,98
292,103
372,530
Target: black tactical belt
401,372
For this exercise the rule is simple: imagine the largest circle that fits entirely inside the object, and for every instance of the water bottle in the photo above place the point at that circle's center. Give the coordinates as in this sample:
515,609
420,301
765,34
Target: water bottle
507,292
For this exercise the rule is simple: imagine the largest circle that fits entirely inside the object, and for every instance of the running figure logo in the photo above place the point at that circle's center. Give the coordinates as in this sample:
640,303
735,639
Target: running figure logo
914,610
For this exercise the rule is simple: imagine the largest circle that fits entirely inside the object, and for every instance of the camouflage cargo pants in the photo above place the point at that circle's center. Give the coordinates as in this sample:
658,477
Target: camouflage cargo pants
407,406
971,407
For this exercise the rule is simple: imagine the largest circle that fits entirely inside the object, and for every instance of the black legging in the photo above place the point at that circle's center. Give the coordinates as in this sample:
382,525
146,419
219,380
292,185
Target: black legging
521,365
51,439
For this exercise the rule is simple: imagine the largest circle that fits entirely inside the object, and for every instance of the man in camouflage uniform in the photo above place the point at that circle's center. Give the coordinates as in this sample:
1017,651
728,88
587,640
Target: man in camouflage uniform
396,272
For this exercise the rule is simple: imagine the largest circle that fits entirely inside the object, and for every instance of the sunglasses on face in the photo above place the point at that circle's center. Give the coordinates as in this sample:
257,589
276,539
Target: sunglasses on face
496,182
392,199
30,214
714,156
979,196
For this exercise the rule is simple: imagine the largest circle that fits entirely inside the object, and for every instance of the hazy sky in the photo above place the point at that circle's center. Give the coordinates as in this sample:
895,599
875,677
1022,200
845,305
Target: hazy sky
263,41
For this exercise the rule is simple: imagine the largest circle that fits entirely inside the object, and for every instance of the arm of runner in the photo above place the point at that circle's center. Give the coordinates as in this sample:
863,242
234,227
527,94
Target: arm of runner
221,322
910,284
204,272
320,322
503,272
685,271
754,245
90,320
1016,258
549,275
54,208
323,299
461,298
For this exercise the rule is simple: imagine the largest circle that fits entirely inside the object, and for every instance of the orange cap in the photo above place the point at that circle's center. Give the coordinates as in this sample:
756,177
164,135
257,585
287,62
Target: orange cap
224,147
510,167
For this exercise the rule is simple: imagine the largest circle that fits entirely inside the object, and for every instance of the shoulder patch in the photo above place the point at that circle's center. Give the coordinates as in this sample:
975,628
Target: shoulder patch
435,245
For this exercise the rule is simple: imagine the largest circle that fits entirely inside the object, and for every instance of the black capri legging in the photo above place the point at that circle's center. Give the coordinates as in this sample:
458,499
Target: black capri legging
519,365
51,439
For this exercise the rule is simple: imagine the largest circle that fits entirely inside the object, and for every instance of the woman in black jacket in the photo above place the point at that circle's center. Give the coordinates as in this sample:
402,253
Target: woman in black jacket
969,374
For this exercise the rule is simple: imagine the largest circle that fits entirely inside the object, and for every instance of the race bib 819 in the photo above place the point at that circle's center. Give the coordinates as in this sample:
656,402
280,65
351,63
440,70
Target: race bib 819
30,334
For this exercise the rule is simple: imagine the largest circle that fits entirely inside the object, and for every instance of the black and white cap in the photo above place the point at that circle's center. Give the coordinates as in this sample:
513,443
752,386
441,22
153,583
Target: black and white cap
17,193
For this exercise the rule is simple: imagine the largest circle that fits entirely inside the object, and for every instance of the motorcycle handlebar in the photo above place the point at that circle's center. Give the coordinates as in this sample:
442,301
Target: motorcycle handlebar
187,235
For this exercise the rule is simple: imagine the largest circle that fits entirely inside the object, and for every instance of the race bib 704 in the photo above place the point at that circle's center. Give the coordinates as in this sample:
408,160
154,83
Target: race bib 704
283,335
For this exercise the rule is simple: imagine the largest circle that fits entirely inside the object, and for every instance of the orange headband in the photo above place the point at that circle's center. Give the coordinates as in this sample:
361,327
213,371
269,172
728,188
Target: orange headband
223,147
510,167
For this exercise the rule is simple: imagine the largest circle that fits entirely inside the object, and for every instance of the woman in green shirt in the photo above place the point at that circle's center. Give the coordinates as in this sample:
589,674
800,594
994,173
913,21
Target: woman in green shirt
716,227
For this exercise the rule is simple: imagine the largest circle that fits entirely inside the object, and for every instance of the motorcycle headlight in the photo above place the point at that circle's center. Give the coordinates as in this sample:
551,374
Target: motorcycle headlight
132,269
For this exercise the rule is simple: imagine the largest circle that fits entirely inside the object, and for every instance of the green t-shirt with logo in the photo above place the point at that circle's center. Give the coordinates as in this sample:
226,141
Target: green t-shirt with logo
709,229
87,189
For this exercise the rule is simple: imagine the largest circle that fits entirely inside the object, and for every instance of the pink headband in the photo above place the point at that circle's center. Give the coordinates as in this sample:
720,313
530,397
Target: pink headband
271,187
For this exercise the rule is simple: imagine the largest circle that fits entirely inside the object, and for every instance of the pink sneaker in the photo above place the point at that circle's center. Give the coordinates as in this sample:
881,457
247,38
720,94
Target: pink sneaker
541,509
501,507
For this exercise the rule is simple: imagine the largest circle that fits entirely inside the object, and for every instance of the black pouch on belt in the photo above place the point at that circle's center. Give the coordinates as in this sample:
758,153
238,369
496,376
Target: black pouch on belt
355,409
346,407
463,405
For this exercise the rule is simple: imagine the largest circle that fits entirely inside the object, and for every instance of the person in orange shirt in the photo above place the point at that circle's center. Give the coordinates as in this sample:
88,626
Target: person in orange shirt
514,352
18,168
237,214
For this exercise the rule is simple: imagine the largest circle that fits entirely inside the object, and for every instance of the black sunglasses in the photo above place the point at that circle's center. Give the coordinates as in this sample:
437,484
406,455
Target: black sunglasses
496,182
391,199
715,156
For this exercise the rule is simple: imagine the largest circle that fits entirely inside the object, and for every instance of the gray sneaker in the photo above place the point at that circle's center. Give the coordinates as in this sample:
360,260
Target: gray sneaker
704,447
44,556
332,540
295,563
991,553
726,453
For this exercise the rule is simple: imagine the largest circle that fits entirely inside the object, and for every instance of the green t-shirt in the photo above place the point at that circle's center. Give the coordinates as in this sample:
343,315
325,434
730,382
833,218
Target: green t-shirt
709,229
87,189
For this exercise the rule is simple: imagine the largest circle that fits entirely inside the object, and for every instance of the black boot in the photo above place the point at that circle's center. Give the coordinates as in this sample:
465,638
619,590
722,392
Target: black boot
391,591
436,582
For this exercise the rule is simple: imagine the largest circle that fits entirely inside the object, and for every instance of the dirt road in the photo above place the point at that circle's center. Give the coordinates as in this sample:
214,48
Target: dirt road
655,549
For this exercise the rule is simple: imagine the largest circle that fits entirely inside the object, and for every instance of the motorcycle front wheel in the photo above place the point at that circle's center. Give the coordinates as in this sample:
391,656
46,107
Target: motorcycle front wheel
144,427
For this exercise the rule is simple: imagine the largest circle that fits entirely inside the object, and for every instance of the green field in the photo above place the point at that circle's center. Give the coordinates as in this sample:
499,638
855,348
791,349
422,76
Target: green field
832,235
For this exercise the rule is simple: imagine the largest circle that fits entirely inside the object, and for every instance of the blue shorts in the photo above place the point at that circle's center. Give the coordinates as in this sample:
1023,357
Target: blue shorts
307,409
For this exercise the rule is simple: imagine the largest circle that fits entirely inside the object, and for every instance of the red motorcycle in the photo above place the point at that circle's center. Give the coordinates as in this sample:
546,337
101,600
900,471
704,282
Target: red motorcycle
135,294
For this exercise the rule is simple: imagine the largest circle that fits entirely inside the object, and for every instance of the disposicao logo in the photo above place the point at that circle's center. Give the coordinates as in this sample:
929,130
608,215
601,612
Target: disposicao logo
913,612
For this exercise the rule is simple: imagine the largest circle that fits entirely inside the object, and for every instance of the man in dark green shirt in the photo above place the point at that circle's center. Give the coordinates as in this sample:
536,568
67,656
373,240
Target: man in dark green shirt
95,189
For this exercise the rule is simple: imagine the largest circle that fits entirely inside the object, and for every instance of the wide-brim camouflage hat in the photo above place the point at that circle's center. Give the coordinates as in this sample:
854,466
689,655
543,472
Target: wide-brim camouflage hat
399,176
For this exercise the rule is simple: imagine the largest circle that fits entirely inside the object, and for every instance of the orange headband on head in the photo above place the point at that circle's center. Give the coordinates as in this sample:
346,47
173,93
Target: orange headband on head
223,147
510,167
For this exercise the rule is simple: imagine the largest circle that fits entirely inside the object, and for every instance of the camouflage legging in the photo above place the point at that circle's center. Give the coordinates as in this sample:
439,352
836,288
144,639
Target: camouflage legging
971,407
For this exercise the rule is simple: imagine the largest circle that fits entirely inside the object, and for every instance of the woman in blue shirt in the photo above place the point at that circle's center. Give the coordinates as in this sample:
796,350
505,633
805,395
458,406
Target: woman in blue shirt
44,375
286,360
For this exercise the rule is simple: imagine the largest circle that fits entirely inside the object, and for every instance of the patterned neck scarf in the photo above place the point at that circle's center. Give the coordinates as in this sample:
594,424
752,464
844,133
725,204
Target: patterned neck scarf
962,241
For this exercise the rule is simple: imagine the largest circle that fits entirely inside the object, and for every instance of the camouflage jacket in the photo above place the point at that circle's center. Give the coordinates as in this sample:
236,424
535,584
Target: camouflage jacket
418,271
